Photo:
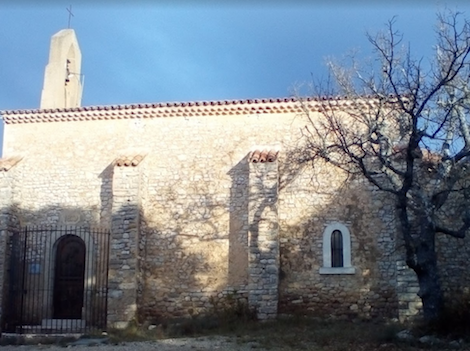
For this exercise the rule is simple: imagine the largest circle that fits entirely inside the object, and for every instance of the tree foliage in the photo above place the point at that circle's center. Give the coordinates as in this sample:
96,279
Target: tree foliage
404,125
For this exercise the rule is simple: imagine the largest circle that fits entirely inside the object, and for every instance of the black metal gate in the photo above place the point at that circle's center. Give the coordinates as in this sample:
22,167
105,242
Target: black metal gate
57,281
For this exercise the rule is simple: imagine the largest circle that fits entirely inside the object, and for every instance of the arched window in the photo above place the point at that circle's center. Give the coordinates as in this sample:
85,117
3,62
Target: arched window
337,250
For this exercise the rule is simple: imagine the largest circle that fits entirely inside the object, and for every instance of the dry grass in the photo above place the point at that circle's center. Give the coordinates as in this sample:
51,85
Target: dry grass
315,335
284,334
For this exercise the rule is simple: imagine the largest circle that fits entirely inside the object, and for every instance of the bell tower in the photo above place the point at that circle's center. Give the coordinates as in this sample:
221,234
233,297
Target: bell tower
62,79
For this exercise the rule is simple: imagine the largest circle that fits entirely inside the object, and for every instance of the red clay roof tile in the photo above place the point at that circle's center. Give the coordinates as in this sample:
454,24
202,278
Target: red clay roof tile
125,161
7,163
174,109
262,156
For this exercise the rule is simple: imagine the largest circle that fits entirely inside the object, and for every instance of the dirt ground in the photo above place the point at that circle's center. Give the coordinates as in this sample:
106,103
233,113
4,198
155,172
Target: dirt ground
180,344
285,335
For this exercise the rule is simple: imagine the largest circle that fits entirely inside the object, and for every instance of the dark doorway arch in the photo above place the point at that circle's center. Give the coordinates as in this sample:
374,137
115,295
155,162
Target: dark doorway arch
69,277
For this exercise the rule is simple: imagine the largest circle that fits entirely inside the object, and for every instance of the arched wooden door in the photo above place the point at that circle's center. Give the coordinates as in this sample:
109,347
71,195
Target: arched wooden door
69,278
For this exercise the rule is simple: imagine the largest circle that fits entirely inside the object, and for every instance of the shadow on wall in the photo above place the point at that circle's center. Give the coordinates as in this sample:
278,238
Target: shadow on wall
106,195
376,250
191,243
322,197
238,225
32,291
53,270
194,243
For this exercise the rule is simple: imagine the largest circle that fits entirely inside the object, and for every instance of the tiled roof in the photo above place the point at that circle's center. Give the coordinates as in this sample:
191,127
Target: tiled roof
175,109
7,163
261,156
125,161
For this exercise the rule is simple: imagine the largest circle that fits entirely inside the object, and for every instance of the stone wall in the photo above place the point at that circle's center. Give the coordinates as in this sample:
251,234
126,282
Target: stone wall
184,218
8,225
409,303
453,257
5,214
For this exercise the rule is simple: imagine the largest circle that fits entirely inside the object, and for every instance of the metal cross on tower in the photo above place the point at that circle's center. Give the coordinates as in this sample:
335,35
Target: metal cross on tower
70,14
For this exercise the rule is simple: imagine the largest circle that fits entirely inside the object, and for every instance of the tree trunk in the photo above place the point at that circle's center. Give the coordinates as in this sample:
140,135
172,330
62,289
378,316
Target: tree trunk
427,272
430,292
421,257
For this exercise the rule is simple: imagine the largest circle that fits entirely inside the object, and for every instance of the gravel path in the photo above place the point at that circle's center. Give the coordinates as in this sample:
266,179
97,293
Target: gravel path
181,344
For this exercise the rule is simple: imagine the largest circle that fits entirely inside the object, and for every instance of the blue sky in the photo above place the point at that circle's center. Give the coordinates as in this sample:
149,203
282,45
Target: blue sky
149,51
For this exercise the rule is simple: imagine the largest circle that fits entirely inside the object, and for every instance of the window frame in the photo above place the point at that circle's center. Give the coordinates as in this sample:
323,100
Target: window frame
327,267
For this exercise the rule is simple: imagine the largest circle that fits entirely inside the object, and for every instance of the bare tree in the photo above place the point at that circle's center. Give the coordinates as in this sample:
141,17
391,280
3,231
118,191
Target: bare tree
403,124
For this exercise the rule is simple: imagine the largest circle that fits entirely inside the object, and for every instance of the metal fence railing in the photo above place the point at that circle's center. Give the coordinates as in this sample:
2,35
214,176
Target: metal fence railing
57,280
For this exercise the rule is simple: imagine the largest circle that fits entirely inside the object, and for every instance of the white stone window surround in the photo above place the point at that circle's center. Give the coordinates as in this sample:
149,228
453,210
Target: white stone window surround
347,267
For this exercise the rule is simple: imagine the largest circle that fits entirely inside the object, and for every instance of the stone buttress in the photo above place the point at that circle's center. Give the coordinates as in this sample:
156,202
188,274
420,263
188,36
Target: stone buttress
123,260
263,234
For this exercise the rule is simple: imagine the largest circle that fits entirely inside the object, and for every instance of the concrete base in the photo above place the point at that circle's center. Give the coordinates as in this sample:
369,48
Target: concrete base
63,324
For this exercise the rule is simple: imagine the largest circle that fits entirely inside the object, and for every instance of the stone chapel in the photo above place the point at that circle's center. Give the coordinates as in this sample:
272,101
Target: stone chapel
162,210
